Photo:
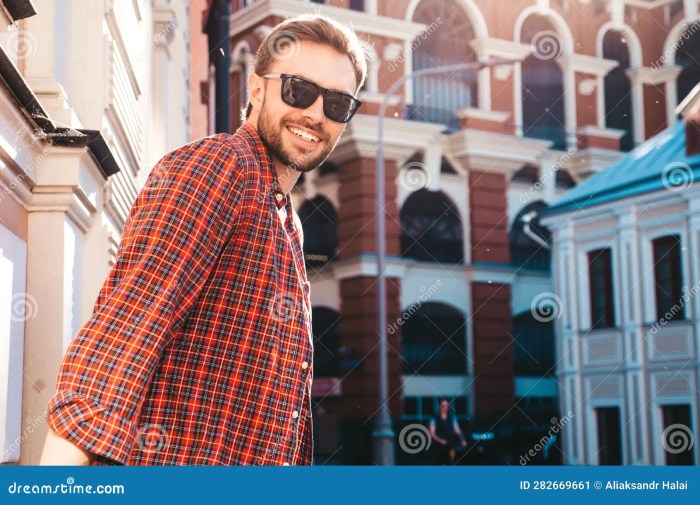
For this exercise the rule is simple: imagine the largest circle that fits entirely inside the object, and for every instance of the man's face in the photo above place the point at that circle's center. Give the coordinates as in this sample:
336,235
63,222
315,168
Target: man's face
277,121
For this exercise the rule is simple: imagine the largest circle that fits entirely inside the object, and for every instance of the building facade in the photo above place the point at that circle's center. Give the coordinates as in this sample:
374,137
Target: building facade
93,94
474,157
627,274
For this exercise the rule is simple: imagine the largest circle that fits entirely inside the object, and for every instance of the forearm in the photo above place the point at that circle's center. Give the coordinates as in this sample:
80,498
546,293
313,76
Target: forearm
60,452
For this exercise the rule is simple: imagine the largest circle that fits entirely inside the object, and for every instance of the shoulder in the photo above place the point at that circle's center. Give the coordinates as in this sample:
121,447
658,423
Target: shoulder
216,157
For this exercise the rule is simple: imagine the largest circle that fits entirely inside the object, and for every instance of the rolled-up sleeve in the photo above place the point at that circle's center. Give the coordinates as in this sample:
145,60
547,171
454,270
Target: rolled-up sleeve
171,239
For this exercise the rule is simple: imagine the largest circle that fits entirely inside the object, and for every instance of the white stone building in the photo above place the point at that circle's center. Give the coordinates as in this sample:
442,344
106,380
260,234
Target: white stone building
92,95
626,268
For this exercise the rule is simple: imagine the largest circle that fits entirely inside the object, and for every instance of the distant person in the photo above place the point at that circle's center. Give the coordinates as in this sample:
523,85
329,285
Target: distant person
444,430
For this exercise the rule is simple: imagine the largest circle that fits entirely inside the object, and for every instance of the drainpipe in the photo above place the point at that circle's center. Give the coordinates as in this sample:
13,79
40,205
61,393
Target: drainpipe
222,62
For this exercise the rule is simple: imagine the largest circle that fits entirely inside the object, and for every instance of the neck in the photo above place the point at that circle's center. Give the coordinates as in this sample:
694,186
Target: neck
286,176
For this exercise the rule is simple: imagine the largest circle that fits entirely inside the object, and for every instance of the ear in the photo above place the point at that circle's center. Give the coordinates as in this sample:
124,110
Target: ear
256,91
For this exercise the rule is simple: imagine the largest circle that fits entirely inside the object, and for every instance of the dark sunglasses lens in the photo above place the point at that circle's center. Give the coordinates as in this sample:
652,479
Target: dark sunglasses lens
298,92
339,107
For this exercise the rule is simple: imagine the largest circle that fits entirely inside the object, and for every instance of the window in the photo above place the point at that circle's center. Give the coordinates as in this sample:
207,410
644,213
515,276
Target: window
357,5
678,434
543,83
668,278
564,180
437,97
618,88
525,251
325,327
16,308
533,346
433,340
528,174
688,58
601,288
609,436
431,229
319,220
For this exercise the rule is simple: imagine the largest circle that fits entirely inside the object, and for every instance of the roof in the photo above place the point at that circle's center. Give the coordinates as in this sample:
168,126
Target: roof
659,163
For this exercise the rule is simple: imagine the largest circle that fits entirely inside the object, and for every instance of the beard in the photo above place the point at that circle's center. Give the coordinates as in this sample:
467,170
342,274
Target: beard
301,160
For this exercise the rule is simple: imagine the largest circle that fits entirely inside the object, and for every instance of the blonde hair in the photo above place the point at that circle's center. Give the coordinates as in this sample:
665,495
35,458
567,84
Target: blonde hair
312,28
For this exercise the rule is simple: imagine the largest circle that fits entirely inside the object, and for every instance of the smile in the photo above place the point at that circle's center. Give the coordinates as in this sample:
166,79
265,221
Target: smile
303,134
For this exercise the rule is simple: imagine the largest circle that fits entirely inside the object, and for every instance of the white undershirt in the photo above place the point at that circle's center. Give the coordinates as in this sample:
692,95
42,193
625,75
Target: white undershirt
282,212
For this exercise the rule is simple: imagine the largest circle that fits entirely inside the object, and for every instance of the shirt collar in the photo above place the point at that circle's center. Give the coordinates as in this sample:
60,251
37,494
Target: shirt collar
250,135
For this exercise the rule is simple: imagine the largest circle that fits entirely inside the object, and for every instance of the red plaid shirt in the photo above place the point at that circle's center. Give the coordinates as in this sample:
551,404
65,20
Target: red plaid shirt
199,349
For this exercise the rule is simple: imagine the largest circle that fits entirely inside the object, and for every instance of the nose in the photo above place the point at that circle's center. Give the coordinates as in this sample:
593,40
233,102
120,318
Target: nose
314,112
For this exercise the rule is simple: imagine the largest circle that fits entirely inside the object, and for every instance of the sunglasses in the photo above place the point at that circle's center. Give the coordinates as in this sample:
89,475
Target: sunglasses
300,93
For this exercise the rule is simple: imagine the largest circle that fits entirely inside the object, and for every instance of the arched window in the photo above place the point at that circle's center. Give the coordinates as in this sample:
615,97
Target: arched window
526,251
688,57
431,229
434,340
543,83
437,97
319,220
533,347
325,323
618,89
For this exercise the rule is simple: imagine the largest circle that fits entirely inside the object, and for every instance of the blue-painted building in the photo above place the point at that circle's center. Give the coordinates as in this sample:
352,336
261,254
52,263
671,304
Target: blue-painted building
626,269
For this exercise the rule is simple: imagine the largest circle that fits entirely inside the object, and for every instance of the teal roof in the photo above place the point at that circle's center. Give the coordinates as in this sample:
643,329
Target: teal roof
652,166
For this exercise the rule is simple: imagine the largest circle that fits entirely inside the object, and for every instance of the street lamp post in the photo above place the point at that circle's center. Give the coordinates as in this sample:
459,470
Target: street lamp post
383,434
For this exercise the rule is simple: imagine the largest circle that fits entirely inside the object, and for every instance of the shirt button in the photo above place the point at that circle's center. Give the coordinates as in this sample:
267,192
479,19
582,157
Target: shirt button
295,414
279,197
285,464
305,365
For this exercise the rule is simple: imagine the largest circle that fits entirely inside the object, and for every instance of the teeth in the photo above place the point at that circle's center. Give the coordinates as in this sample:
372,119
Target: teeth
303,134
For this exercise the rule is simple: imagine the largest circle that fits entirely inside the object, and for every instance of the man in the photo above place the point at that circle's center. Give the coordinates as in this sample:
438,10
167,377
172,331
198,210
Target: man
199,350
444,429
